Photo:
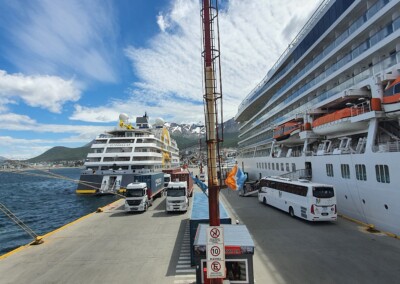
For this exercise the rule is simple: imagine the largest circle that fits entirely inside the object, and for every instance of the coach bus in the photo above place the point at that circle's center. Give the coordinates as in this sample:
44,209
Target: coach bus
301,198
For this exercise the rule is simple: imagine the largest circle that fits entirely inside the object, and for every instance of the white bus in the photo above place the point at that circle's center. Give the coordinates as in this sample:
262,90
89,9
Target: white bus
301,198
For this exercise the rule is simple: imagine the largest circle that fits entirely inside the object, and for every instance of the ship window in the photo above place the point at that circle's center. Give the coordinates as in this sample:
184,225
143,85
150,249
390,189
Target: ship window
345,170
277,166
382,173
361,173
397,89
269,166
262,165
282,169
287,167
293,167
329,170
273,166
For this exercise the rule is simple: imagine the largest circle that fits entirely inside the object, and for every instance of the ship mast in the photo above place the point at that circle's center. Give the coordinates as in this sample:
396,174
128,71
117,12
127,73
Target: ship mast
212,103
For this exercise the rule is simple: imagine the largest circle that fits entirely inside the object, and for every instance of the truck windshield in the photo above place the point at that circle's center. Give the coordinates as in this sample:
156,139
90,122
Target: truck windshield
136,192
167,179
176,192
323,192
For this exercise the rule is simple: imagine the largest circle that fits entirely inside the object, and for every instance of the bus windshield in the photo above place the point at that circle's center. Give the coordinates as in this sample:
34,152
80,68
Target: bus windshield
323,192
176,192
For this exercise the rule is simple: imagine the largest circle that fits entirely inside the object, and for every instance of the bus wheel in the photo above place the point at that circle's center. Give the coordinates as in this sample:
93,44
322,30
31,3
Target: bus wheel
265,201
291,212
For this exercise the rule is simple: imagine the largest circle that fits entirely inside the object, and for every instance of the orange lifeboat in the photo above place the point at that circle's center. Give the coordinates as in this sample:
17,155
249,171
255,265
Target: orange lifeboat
338,122
339,114
284,131
391,98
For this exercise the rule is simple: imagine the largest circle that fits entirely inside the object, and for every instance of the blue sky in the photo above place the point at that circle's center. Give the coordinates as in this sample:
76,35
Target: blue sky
69,68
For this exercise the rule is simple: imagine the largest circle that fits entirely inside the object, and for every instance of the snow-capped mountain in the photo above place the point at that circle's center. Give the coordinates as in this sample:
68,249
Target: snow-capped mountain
197,128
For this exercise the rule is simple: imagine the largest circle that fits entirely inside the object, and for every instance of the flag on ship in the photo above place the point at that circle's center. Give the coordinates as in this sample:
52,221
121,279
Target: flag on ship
235,178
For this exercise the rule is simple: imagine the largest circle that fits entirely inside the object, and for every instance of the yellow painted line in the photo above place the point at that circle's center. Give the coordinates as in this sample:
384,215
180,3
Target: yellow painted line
53,232
85,191
14,251
353,220
368,225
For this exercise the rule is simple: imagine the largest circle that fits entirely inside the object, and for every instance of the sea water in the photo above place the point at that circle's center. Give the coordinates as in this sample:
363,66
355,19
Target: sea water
42,203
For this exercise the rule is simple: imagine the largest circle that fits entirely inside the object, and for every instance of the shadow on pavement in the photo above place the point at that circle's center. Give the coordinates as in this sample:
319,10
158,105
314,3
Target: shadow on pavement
171,271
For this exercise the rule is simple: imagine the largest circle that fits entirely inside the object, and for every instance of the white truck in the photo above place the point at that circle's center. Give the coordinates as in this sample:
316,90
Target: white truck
177,197
167,179
202,177
136,197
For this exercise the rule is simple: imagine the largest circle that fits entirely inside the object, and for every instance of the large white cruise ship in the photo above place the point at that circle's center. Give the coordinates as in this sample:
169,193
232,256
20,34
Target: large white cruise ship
329,110
117,157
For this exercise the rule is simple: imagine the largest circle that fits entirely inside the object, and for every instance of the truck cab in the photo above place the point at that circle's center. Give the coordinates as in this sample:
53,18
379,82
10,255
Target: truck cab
167,179
177,197
136,197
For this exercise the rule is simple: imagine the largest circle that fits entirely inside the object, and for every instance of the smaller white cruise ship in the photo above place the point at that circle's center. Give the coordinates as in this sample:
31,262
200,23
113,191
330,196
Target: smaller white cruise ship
120,155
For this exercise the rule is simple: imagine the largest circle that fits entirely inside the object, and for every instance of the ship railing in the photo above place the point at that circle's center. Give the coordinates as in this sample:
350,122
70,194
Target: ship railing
361,108
309,153
298,174
387,147
319,12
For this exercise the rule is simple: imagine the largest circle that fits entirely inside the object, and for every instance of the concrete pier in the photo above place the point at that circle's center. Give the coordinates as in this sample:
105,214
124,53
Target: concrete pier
108,247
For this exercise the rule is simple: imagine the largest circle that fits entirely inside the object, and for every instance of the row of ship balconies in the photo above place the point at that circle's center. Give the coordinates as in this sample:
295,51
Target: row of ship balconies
354,53
319,57
281,112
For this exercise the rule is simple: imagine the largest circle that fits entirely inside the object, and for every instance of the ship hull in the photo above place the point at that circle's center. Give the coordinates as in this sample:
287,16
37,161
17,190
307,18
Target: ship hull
368,201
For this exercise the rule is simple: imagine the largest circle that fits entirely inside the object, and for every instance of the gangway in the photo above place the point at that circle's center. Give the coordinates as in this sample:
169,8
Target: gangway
250,188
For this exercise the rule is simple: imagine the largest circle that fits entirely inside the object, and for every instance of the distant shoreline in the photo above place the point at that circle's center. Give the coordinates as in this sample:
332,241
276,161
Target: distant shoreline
36,168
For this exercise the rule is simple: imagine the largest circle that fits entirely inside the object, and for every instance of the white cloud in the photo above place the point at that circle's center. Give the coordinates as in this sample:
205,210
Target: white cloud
47,92
162,22
17,148
21,148
17,122
253,35
162,107
63,37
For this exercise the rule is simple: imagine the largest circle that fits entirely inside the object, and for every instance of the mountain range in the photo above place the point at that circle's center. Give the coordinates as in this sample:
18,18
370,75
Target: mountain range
185,135
230,126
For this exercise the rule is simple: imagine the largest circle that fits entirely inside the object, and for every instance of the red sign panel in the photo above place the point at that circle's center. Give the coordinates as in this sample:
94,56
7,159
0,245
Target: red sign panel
233,250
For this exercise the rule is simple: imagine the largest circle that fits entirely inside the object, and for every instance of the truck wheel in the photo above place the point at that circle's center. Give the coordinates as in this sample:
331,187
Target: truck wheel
265,201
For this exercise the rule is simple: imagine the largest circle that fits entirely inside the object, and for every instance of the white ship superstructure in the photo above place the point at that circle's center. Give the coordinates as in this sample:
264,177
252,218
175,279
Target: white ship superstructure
117,156
329,110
